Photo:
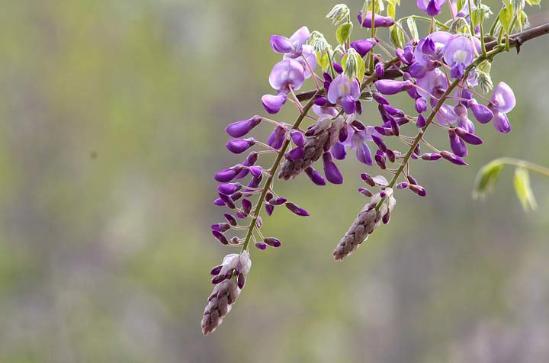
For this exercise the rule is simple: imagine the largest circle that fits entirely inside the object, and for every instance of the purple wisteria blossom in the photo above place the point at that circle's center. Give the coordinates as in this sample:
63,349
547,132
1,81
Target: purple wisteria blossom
344,91
430,7
360,101
502,102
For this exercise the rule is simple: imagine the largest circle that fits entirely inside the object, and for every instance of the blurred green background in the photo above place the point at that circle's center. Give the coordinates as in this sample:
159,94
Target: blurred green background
112,117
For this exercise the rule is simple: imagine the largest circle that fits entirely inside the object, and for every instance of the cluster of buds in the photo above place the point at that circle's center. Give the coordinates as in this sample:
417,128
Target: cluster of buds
229,278
446,78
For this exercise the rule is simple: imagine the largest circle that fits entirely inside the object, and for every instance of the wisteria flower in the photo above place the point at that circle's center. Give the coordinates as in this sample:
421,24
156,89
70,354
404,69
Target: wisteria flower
502,102
345,92
285,75
459,54
358,140
430,7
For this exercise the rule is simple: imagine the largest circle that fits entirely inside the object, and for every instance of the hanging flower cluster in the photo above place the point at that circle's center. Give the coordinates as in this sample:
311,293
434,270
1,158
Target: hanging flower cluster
444,75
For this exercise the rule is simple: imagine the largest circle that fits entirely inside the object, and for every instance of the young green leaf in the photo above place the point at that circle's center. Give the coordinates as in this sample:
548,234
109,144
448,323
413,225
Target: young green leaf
413,28
343,32
524,190
487,178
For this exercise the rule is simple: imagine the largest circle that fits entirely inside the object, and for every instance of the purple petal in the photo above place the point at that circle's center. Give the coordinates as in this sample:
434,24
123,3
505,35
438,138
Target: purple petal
297,210
315,176
240,145
241,128
338,151
281,44
482,113
273,103
228,188
330,169
379,21
501,122
391,87
503,99
363,46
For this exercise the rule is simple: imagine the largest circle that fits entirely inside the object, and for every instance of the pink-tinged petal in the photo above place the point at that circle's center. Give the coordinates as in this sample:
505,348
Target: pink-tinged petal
501,122
503,99
273,103
281,44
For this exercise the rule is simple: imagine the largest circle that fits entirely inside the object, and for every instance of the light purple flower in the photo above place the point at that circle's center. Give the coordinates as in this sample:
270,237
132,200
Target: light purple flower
358,141
285,74
502,102
430,7
293,45
459,54
345,92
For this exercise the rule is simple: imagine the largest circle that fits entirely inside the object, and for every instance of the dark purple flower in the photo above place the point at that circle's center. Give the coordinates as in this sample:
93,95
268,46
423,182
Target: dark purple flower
238,146
297,210
482,113
331,171
452,158
392,87
380,21
276,139
273,242
226,175
363,46
430,7
457,144
315,176
241,128
228,188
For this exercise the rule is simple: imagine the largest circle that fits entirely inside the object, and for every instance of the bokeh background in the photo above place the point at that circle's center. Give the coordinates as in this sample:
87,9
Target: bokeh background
112,117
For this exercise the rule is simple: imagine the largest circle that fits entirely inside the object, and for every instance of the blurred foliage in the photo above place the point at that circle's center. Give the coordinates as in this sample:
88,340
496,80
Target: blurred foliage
112,115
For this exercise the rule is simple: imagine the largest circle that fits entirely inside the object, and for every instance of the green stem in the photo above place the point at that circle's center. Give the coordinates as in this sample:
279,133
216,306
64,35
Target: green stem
542,170
371,57
272,173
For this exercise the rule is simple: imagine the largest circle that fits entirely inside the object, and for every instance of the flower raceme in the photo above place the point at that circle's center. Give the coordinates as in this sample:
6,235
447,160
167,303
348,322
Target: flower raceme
351,111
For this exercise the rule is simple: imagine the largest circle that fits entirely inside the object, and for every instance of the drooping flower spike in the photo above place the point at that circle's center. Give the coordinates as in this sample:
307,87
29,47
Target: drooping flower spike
364,106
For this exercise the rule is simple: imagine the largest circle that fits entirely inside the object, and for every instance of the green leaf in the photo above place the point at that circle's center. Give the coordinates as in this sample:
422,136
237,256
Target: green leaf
524,190
506,17
343,32
397,36
323,60
413,28
533,2
487,178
